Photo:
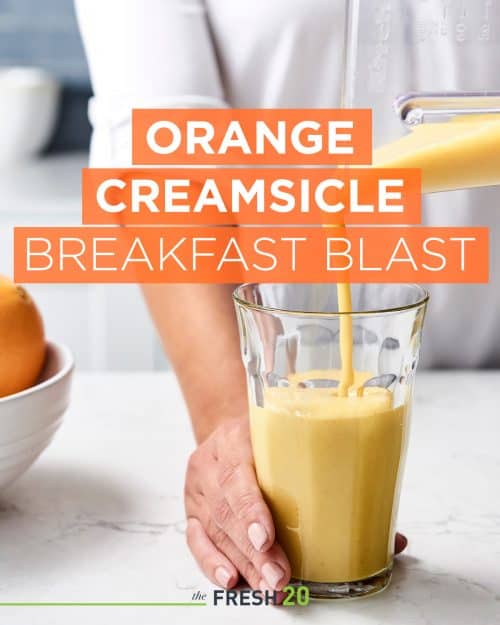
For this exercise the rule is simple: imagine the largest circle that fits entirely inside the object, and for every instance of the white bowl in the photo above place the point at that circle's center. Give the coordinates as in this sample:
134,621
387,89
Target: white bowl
29,103
29,419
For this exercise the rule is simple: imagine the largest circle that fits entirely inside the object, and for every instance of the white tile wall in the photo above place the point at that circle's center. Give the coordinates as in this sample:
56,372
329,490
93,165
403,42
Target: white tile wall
106,326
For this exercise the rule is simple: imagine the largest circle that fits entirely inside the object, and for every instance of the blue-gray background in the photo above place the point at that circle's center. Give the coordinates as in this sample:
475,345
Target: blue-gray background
44,33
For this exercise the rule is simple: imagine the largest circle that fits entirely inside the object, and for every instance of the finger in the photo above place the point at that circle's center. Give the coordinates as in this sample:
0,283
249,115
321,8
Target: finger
226,532
203,501
237,482
401,542
226,546
246,535
279,596
224,517
271,566
211,561
274,567
244,498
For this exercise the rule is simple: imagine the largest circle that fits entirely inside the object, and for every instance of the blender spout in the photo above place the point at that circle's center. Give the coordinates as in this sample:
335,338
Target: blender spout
427,107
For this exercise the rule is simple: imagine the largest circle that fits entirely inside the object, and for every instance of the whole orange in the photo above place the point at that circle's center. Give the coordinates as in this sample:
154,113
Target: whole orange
22,340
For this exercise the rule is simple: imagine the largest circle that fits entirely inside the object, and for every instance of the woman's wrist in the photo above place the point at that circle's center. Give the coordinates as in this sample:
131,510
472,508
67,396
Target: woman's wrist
212,406
213,414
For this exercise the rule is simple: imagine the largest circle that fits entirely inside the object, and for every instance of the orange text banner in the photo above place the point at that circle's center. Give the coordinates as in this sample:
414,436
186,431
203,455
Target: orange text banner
251,196
229,255
251,137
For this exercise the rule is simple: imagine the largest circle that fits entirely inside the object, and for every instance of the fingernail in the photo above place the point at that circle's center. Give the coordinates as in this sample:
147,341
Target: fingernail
257,535
263,587
269,593
401,543
272,573
280,596
222,576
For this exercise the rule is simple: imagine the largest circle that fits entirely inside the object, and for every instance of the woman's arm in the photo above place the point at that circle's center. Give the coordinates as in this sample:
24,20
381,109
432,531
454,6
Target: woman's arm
159,53
149,53
197,325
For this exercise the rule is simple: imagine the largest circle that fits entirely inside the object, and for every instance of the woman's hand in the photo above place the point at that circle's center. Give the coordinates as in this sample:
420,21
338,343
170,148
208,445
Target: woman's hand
230,530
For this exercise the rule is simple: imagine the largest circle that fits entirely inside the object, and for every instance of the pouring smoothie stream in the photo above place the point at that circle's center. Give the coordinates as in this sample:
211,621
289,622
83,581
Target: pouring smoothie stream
461,153
328,449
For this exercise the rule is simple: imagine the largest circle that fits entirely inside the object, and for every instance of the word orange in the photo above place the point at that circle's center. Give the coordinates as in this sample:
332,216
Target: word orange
251,136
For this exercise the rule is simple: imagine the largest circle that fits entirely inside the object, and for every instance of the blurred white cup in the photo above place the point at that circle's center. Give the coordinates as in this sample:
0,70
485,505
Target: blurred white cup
29,104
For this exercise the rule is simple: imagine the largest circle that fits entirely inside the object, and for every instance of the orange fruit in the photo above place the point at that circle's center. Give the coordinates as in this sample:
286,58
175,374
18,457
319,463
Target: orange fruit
22,340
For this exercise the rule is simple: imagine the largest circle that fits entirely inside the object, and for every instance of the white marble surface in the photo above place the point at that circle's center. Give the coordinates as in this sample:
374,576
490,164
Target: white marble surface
100,517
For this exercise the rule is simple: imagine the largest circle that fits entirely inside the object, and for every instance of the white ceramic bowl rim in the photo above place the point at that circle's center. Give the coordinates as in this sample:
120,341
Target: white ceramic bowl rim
68,362
26,77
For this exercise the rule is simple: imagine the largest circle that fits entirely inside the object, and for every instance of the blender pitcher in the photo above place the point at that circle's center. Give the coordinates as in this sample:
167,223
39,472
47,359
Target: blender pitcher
414,63
400,47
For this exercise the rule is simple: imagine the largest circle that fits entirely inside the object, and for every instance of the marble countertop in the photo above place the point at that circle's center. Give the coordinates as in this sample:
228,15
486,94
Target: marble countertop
99,518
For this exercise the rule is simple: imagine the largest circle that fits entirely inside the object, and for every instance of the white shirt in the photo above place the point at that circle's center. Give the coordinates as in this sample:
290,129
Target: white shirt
269,53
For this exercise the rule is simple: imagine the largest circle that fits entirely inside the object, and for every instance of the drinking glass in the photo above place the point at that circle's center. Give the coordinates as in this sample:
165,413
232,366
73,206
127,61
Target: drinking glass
330,467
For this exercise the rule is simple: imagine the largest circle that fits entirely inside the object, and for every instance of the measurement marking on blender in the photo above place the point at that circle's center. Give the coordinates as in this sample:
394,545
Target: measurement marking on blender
487,6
